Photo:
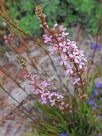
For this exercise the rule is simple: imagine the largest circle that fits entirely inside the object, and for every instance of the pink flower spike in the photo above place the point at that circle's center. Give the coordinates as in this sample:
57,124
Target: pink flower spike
69,54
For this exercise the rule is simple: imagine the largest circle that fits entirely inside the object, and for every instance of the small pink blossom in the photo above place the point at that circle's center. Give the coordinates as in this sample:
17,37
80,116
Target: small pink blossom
81,64
35,91
69,70
62,28
54,27
63,46
44,84
76,81
71,44
47,38
63,34
53,49
63,60
52,102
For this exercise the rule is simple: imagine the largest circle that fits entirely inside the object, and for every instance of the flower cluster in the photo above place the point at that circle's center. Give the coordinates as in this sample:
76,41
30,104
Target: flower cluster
70,56
40,89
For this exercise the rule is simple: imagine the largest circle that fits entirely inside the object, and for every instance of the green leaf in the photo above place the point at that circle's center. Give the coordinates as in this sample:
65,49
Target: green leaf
29,24
87,6
27,5
50,6
13,11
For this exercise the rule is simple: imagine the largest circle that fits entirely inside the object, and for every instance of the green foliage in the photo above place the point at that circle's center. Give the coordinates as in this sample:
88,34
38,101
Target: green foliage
27,5
28,23
84,5
70,12
52,122
50,7
14,12
87,13
33,134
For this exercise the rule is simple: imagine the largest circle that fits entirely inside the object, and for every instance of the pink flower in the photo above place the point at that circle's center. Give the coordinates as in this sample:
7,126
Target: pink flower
71,44
81,64
62,28
44,84
69,70
47,38
52,102
63,34
74,57
43,101
35,91
53,49
75,81
54,27
63,59
63,46
40,88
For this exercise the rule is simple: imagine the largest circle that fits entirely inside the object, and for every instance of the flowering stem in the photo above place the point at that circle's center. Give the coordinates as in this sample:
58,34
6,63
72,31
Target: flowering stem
56,39
74,56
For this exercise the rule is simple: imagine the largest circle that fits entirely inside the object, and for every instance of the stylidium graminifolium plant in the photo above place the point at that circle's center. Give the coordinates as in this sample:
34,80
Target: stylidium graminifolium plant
71,57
